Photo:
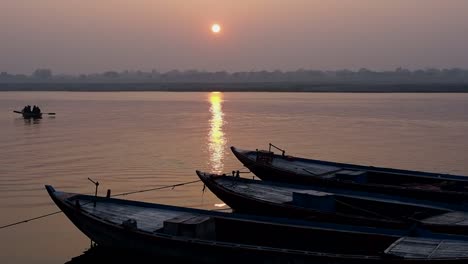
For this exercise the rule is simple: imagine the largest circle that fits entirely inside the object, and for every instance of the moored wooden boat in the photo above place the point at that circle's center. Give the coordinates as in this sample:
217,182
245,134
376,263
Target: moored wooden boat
222,237
425,185
336,205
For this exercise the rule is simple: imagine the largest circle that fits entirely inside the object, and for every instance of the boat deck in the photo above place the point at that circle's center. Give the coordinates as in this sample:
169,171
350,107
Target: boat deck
258,190
148,219
410,247
301,167
451,218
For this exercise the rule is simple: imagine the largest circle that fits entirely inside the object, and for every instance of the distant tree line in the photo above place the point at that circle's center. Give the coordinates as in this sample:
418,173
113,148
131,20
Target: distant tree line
397,76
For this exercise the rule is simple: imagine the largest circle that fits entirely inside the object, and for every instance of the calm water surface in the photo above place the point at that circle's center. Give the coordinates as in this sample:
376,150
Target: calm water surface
137,140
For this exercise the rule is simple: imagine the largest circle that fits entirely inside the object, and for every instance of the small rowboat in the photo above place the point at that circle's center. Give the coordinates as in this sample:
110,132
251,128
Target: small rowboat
31,115
214,237
424,185
336,205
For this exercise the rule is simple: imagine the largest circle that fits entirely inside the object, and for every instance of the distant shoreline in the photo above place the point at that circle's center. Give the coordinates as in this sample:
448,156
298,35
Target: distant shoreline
240,87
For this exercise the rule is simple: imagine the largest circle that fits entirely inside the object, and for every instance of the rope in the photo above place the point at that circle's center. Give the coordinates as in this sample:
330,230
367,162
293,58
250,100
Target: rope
120,194
157,188
30,219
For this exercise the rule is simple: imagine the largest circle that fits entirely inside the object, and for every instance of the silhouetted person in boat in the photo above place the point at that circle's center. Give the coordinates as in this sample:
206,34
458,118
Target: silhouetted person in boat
27,109
36,110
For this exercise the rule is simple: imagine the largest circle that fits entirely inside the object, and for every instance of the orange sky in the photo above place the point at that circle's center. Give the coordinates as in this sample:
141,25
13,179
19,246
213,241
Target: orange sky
91,36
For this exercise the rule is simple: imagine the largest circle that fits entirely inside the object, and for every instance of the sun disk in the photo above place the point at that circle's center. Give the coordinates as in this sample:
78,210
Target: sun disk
215,28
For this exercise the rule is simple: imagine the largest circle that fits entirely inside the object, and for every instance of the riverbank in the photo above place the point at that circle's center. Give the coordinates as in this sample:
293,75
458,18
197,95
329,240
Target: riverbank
239,87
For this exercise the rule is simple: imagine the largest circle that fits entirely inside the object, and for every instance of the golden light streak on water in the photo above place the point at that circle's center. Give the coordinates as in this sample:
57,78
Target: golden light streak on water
217,140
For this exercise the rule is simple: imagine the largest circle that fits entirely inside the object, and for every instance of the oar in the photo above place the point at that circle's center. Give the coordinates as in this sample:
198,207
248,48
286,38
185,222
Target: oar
18,112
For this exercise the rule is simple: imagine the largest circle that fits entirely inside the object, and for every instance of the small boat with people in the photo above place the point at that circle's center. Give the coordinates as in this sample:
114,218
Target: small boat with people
336,205
214,237
34,112
269,166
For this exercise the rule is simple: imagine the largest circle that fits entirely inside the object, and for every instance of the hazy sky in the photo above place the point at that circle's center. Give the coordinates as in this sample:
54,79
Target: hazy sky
83,36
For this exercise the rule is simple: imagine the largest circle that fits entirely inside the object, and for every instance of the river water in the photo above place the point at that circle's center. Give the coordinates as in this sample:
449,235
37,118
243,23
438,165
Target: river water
137,140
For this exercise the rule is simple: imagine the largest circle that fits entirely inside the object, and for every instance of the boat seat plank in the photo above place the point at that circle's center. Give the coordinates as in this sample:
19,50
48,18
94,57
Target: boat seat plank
450,218
413,247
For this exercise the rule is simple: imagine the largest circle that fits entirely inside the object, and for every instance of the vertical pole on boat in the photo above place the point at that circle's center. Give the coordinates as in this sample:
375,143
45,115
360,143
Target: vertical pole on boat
96,183
282,150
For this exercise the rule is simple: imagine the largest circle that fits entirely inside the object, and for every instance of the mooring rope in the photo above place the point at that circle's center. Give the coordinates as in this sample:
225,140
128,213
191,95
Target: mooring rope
120,194
157,188
30,219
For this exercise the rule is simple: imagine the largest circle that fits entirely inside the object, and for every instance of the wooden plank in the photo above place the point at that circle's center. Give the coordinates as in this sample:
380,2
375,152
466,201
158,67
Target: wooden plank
148,219
450,218
259,191
414,247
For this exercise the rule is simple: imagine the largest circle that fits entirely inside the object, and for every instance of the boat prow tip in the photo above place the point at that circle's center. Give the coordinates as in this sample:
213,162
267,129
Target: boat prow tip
235,150
50,189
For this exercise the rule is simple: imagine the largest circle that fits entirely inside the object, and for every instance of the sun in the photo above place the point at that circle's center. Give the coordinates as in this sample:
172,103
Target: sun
215,28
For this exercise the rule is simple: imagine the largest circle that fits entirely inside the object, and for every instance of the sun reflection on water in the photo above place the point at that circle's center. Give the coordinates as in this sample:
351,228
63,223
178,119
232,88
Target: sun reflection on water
216,138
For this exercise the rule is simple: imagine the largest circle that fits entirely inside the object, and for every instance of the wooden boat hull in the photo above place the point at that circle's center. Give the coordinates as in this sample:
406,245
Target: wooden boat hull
107,233
422,189
389,212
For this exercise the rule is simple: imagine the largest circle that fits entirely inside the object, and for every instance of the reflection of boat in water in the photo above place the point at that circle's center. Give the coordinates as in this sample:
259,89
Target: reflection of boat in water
215,237
336,205
416,184
27,115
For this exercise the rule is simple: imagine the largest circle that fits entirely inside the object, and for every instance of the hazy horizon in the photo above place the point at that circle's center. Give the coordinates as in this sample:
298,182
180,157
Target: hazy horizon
74,37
